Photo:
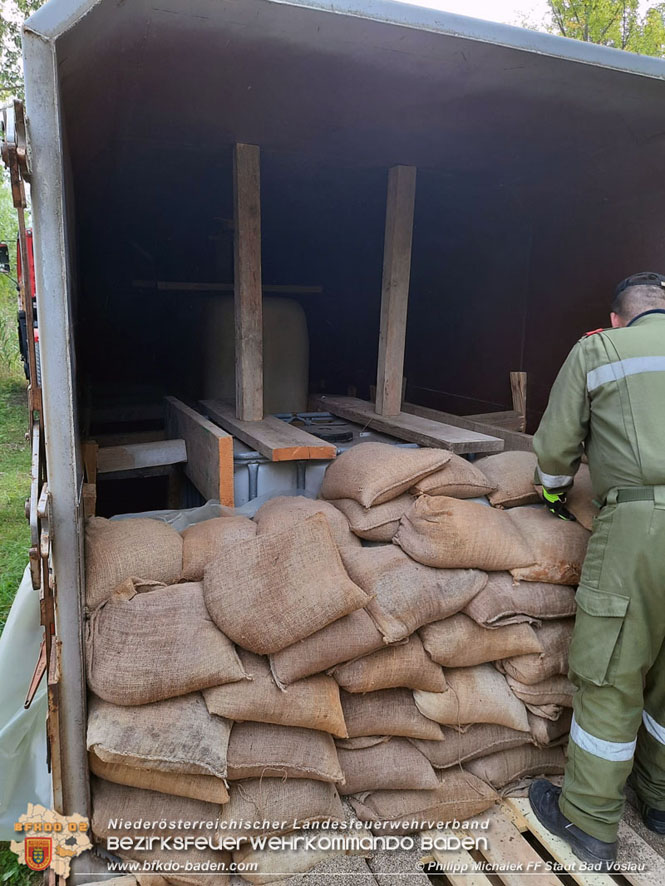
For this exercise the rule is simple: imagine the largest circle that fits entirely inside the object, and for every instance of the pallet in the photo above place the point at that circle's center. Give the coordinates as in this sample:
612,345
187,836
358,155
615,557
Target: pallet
510,824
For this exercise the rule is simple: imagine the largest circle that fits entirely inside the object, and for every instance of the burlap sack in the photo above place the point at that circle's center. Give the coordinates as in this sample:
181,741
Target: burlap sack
580,499
512,474
556,690
460,795
273,590
198,787
503,601
559,547
285,511
119,549
505,767
449,533
548,733
475,695
458,642
154,645
555,638
379,523
177,735
264,750
343,640
205,541
391,766
312,703
279,805
360,742
478,740
372,473
404,665
388,712
459,478
406,594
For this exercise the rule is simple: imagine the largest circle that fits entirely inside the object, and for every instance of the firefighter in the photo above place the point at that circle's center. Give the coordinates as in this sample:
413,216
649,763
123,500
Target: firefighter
608,402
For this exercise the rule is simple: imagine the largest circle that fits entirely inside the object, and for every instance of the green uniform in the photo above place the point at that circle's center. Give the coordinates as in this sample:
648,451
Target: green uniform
608,401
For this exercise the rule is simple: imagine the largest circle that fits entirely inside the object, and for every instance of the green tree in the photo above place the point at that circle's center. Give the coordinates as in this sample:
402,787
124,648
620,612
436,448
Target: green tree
12,15
616,23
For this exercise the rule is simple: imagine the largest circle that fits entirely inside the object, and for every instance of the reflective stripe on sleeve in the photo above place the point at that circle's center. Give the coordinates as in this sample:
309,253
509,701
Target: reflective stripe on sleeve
653,728
621,368
554,481
614,751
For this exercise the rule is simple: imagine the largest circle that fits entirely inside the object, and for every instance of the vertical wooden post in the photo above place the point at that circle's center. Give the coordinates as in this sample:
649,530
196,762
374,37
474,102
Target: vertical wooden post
247,295
518,391
395,290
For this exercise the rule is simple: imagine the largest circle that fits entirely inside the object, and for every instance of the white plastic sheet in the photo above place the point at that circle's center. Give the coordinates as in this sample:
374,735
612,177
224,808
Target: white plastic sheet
24,777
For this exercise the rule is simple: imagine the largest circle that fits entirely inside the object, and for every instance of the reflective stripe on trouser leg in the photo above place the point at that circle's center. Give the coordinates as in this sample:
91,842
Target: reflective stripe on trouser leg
614,751
649,769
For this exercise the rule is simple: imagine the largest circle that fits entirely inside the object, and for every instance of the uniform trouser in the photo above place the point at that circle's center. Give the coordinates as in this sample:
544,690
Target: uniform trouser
617,662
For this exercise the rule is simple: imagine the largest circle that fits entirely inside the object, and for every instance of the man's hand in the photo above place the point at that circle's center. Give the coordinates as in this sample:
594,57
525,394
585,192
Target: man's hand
555,502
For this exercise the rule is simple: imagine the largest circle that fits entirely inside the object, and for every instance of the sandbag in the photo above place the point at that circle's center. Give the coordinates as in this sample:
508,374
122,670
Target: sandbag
205,541
546,732
177,735
558,546
388,712
506,767
580,499
116,550
556,690
309,867
273,590
378,523
459,478
504,601
198,787
449,533
372,473
406,594
475,695
282,512
555,637
478,740
404,665
344,639
145,647
460,795
458,642
390,766
280,805
264,750
511,473
312,703
361,741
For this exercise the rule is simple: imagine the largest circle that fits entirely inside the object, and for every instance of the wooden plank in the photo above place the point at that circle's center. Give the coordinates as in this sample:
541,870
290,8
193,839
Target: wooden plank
395,289
457,858
512,439
89,500
518,391
509,419
209,451
248,299
272,437
507,846
560,851
141,455
425,431
89,451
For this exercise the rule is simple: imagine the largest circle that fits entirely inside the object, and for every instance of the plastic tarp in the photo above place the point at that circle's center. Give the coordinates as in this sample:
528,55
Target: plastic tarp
24,777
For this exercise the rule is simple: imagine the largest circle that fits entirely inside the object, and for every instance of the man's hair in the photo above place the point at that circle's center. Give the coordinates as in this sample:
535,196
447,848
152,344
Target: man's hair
636,299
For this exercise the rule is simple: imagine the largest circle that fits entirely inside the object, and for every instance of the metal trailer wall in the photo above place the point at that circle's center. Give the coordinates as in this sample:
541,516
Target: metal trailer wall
540,176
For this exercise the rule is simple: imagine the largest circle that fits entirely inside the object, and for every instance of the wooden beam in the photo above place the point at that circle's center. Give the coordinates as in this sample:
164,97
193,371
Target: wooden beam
209,451
425,431
512,439
248,299
509,419
395,289
272,437
518,391
141,455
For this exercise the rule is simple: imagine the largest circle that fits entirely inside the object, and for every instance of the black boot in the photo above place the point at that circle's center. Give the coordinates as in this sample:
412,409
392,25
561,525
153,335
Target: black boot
544,799
654,819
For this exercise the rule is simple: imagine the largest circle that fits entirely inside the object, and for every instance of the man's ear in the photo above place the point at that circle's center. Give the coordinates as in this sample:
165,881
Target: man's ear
616,321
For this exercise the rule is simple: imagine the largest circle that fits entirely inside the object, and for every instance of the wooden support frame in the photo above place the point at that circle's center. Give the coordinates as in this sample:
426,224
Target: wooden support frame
518,392
248,297
209,451
512,439
137,456
395,288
